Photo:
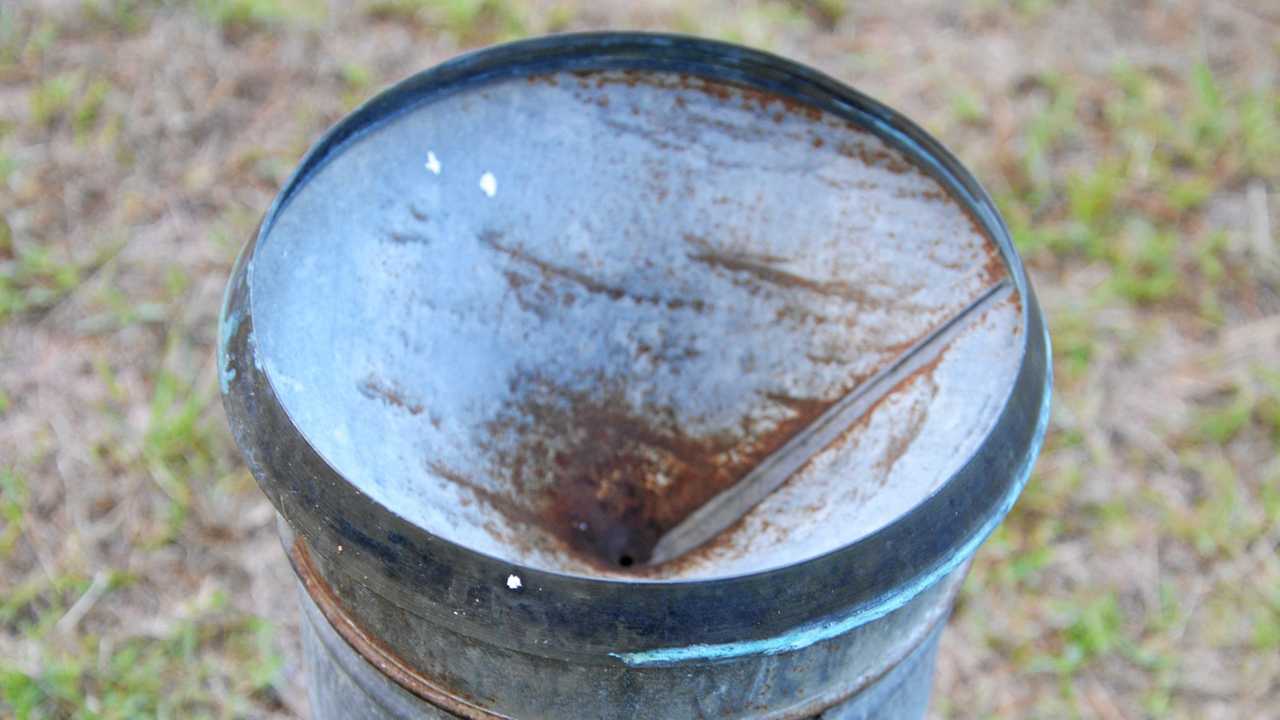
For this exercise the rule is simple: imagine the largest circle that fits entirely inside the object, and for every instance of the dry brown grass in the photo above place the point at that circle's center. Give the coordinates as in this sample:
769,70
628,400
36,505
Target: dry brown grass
1135,148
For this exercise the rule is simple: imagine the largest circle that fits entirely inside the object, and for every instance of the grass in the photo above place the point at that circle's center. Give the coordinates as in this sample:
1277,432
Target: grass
237,18
468,21
180,443
123,17
165,676
33,277
1135,210
1160,154
14,497
1137,577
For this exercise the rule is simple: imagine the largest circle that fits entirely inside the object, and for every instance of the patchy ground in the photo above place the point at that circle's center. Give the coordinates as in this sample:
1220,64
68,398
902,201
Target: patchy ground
1134,147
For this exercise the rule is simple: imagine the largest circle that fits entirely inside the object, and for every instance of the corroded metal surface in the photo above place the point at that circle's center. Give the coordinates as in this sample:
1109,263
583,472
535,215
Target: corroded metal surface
665,279
346,685
882,671
838,424
370,649
520,314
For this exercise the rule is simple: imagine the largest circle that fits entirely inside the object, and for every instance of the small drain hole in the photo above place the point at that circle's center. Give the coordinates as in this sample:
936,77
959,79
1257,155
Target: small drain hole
626,561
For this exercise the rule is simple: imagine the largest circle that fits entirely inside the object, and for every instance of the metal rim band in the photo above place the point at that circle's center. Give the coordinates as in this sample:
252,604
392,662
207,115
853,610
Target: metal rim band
371,649
396,669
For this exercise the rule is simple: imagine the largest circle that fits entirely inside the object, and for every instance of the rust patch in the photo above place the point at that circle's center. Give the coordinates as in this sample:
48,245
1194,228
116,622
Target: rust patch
845,184
515,280
502,504
899,442
876,157
756,270
609,482
402,238
376,389
994,269
715,88
375,651
549,270
781,278
927,195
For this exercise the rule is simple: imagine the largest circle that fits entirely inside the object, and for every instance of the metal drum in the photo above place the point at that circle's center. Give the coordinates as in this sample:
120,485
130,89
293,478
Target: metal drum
631,376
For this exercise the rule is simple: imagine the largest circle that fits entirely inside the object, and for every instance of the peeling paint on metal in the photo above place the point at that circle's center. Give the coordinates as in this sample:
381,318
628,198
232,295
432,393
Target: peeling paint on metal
227,330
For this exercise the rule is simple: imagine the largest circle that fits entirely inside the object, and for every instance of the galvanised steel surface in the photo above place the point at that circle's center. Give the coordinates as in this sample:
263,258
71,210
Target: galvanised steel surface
522,323
343,683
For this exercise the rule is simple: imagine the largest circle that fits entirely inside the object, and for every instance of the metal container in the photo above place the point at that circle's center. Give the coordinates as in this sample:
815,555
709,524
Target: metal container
526,330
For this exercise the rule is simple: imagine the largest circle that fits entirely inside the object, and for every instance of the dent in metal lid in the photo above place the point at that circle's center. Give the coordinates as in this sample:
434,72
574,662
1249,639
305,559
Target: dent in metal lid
549,318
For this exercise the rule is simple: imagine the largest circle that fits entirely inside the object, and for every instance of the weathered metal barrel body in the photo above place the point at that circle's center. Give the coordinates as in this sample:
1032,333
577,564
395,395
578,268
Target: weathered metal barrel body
520,316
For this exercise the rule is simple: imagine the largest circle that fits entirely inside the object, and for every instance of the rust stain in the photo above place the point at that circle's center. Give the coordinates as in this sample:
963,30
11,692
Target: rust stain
375,651
714,88
846,184
376,389
649,134
754,270
876,157
994,268
899,443
515,280
509,508
928,195
901,439
608,481
492,239
781,278
402,238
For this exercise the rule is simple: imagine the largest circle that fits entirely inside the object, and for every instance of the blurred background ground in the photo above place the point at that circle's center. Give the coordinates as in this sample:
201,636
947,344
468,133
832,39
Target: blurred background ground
1134,147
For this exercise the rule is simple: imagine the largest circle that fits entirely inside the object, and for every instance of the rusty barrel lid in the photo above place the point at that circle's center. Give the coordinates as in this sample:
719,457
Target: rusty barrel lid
522,314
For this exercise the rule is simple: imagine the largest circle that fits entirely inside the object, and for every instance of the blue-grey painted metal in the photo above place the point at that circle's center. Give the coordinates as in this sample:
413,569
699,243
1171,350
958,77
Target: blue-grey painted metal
516,318
343,684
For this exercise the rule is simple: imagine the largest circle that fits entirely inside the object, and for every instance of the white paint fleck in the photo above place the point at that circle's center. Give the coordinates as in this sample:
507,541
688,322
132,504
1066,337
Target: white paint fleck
433,163
339,548
513,582
489,184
